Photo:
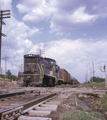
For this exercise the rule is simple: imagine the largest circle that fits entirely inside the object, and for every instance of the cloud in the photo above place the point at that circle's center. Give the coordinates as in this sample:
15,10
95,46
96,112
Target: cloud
17,43
5,4
76,56
63,15
18,32
36,10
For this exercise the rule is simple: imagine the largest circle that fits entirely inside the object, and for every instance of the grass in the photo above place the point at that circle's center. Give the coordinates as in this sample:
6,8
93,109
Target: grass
76,115
98,115
80,86
100,84
103,102
68,85
81,114
89,110
79,107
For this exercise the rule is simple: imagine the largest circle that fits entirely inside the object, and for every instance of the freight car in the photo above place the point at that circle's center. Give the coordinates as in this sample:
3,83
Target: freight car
39,71
65,76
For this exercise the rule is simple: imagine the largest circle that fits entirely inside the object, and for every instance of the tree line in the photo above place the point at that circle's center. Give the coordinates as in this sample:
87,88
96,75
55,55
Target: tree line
9,76
97,79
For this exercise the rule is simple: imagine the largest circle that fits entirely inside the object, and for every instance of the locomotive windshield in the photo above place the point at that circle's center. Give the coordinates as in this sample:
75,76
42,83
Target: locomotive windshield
30,65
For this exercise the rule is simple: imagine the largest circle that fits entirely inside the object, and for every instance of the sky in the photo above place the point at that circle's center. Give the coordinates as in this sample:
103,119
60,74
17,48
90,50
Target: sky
73,32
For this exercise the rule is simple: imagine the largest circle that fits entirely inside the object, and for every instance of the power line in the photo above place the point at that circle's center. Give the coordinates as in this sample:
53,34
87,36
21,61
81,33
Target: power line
10,62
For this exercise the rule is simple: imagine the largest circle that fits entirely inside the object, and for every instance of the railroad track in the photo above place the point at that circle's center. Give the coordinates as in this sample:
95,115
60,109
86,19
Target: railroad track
67,86
8,95
25,110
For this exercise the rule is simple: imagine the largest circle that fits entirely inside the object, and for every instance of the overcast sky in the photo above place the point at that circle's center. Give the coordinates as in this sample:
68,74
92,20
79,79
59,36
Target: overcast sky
73,32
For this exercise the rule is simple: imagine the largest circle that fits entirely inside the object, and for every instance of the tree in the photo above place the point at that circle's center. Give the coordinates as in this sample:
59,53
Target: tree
10,76
8,73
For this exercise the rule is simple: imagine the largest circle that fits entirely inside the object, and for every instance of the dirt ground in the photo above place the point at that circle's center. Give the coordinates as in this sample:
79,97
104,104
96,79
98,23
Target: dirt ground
7,83
67,105
68,100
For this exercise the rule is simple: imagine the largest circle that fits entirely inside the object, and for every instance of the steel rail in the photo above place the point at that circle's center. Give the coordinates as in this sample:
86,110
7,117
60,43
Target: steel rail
15,111
15,93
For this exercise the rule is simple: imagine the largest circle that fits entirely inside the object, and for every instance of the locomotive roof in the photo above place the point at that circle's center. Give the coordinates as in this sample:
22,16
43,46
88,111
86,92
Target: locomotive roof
50,59
32,55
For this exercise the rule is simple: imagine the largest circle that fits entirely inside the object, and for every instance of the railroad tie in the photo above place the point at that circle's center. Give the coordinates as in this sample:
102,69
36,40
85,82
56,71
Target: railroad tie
47,108
33,118
38,113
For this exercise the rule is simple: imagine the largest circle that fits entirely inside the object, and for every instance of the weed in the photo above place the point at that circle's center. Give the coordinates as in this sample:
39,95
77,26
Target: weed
98,115
103,102
65,116
76,115
73,96
100,84
79,107
80,86
82,98
89,110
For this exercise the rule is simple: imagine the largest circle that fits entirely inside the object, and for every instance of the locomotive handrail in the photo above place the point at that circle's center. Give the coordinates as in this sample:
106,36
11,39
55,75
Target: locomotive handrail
42,70
30,74
18,71
56,78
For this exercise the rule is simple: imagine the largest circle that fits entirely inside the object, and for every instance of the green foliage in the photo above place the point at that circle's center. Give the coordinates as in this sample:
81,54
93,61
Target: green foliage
65,116
100,84
79,107
8,73
80,86
76,115
9,76
82,98
97,79
98,115
103,102
89,110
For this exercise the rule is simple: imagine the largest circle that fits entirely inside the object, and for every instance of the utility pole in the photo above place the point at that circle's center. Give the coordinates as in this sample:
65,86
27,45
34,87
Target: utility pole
93,71
86,76
103,69
90,73
5,58
3,14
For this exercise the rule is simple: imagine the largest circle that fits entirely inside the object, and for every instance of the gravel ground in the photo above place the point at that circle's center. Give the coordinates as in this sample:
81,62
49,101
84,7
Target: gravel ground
68,97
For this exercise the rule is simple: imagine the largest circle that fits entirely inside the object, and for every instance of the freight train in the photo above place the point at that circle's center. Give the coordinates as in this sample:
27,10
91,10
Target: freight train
41,71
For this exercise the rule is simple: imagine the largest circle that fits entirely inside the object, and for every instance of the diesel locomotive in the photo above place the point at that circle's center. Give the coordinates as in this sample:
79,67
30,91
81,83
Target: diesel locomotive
39,71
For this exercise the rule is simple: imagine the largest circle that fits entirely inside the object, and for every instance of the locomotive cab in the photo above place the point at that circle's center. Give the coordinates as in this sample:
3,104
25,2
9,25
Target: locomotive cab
30,63
33,70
